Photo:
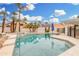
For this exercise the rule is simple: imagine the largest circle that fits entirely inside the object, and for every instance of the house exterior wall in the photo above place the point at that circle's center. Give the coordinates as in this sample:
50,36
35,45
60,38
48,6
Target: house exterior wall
66,30
77,32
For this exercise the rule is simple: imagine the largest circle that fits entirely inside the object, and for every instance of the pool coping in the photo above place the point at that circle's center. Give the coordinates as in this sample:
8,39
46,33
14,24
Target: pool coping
63,40
70,51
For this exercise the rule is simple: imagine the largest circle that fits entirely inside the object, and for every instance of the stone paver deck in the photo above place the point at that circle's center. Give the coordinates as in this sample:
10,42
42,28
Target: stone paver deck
8,46
74,51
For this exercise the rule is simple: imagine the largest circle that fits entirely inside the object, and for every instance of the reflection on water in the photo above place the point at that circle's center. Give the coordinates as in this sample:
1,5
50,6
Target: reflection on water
52,44
47,36
41,44
31,39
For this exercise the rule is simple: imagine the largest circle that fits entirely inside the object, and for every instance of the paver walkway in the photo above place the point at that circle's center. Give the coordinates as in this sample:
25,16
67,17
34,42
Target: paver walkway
8,46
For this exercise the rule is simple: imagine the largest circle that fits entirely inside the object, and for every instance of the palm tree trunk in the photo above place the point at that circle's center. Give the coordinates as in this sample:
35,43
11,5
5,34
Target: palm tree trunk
19,20
11,27
3,23
13,30
15,26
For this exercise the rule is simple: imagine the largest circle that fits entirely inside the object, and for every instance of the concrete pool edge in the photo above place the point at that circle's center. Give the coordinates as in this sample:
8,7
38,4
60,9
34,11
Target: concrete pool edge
73,51
64,40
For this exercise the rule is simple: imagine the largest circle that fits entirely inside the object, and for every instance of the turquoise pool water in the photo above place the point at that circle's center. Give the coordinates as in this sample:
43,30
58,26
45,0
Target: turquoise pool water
39,45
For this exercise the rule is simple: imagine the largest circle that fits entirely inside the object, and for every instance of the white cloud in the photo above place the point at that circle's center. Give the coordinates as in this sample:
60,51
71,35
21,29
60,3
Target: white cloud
8,3
51,16
75,4
27,16
59,12
34,18
39,18
3,9
74,16
0,10
8,12
54,20
46,21
30,7
32,3
17,16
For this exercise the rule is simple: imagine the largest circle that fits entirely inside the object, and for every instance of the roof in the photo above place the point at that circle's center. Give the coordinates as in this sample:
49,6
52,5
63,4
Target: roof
72,21
59,26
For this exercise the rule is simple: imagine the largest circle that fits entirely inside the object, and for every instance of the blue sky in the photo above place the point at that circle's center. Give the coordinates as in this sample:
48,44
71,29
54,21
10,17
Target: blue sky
46,10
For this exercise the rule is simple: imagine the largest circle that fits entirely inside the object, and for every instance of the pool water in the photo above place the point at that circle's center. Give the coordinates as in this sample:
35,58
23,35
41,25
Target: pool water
39,45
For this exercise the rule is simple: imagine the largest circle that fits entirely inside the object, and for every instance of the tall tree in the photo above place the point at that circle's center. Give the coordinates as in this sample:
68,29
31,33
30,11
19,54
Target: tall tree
19,6
25,20
3,12
13,26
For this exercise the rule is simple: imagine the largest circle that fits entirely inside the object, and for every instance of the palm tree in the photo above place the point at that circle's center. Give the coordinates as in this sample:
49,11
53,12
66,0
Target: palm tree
13,26
4,13
19,6
20,9
24,22
78,16
25,19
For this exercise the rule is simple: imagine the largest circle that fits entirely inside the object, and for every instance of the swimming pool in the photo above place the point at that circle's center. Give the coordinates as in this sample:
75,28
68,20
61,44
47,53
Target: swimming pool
39,45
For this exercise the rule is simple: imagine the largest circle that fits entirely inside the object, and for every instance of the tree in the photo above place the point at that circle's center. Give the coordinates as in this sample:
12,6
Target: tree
13,26
77,16
19,6
25,19
3,13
